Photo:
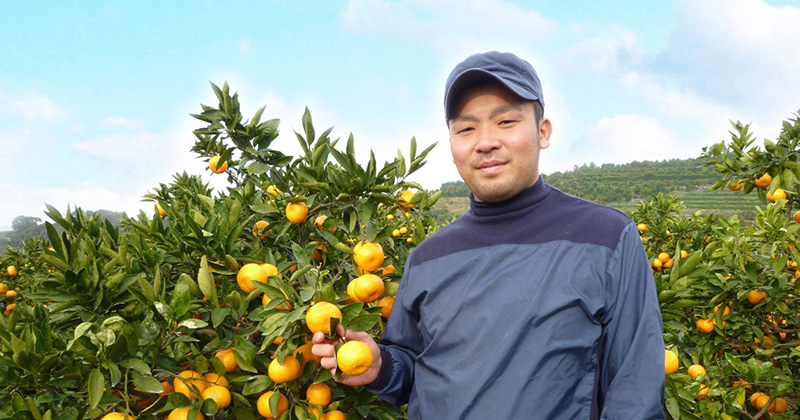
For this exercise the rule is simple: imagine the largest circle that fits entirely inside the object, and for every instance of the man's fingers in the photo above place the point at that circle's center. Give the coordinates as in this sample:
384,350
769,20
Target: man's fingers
322,350
328,363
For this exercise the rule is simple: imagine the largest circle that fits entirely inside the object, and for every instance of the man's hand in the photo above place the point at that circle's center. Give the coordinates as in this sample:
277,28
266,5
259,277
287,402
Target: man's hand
324,348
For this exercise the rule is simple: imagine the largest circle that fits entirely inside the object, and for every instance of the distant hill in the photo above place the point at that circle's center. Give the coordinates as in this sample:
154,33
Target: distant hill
623,186
29,227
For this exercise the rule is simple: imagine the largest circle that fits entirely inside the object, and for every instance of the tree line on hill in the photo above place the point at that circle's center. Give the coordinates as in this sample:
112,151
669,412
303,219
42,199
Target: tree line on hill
23,227
613,183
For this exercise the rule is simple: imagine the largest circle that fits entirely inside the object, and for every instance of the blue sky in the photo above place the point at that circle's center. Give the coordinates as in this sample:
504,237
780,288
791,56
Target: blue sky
95,97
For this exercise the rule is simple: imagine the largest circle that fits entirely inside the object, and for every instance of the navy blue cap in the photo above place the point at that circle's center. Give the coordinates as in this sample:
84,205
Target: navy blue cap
513,72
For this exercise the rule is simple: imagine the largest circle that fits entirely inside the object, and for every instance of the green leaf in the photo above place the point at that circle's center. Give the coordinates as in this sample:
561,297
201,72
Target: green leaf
218,316
363,322
257,385
181,297
300,255
193,323
147,288
308,127
146,383
234,213
206,282
245,353
96,382
54,214
351,150
136,365
17,403
209,407
55,240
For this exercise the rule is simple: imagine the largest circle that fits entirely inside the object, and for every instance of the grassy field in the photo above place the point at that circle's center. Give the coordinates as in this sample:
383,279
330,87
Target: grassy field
722,202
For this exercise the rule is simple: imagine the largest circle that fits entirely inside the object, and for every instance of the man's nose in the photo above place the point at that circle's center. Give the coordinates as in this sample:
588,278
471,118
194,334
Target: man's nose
487,141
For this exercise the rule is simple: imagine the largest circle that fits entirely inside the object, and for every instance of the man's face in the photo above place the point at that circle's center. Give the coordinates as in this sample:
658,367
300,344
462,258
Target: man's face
495,142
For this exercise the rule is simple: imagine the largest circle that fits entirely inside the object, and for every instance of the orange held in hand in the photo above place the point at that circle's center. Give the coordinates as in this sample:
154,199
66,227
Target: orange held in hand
354,358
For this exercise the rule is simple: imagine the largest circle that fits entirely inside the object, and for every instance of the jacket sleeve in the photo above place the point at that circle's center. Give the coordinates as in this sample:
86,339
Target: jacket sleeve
400,345
632,376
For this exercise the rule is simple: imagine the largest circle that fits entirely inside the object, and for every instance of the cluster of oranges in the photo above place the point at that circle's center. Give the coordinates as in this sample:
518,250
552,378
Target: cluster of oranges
707,325
696,371
776,405
404,200
664,261
672,364
195,386
764,181
10,295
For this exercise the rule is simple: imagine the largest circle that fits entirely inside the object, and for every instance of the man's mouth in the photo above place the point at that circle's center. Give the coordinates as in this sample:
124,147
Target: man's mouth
490,167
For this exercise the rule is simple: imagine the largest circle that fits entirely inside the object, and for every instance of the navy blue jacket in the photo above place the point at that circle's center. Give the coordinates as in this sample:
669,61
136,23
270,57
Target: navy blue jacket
539,307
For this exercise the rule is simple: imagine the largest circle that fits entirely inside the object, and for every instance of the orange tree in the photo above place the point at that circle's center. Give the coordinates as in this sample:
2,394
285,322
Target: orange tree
214,287
727,287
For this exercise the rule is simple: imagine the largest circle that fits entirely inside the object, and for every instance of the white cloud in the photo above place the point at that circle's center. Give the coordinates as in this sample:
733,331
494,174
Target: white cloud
122,167
32,107
673,101
123,147
623,139
116,121
739,52
449,25
609,54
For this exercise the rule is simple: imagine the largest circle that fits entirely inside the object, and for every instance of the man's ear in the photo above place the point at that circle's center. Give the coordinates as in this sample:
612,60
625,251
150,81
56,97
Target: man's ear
545,130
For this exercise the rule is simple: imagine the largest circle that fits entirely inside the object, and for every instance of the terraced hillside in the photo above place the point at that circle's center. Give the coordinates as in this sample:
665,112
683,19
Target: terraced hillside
624,186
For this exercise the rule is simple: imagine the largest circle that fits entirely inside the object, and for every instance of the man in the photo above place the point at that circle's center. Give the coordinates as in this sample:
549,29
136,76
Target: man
533,304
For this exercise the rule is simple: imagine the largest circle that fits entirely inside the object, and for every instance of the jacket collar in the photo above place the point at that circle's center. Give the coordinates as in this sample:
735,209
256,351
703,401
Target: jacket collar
525,199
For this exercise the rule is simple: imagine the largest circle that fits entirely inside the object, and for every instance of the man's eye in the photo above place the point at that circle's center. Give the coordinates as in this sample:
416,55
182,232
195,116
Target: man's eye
464,130
506,122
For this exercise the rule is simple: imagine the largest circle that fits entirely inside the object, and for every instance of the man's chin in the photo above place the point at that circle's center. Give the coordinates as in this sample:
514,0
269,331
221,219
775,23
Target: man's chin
492,195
